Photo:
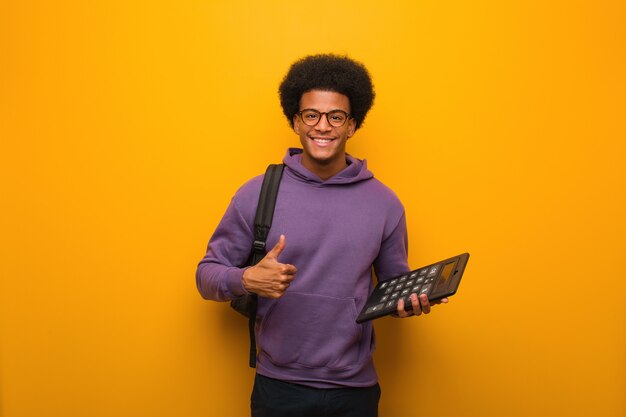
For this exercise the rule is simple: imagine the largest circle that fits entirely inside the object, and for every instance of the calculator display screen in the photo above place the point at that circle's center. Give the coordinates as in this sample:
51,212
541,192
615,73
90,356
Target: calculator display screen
445,276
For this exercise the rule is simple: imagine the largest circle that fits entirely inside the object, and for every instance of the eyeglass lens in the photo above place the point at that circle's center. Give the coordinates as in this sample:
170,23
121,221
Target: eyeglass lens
335,118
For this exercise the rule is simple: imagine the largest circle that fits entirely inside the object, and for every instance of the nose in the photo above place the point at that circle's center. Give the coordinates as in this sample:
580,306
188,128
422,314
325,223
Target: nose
323,125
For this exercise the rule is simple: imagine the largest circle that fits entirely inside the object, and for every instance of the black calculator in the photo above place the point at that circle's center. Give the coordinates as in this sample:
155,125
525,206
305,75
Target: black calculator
438,280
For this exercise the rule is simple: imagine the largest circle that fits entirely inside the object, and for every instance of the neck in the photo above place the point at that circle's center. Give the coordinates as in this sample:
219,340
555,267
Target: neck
325,169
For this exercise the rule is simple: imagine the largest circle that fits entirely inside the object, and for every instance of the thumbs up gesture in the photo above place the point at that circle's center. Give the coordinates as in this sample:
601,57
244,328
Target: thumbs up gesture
270,278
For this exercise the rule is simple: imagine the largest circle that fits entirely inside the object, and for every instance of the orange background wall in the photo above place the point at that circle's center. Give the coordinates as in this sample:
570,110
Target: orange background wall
125,128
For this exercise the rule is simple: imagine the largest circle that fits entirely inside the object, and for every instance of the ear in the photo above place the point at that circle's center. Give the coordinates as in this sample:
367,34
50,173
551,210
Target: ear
296,124
351,127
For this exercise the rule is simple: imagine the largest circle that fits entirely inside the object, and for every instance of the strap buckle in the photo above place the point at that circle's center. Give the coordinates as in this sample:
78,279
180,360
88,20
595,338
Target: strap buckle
259,246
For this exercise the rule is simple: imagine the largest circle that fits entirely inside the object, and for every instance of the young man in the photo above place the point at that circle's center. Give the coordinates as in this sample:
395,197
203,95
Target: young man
333,221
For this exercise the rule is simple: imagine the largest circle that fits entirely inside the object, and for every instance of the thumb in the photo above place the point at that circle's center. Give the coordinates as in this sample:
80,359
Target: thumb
278,248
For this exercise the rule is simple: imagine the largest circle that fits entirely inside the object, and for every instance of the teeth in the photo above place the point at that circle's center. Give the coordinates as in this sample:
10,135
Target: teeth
322,140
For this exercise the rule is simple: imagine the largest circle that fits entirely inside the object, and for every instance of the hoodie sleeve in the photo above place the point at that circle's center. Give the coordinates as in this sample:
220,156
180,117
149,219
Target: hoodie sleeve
392,258
219,273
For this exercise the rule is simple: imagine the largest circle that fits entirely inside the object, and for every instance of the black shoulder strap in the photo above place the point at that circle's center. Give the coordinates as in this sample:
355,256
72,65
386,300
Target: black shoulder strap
262,224
265,209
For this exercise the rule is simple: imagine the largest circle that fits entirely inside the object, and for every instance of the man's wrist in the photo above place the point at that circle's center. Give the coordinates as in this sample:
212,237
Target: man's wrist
244,278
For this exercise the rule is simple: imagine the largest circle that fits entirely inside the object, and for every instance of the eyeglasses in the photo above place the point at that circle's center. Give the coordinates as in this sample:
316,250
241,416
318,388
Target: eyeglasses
335,118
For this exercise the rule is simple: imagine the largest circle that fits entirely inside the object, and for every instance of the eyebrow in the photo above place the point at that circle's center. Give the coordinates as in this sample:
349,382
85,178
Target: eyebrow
309,108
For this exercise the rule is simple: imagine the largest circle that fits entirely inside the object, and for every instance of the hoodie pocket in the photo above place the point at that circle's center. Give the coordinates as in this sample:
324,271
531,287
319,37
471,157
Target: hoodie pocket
311,330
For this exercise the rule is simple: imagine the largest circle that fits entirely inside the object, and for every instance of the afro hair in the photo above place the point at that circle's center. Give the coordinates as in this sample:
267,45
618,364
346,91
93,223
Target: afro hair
327,72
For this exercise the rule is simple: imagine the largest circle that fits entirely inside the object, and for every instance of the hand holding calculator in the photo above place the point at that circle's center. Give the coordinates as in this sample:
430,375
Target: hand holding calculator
438,280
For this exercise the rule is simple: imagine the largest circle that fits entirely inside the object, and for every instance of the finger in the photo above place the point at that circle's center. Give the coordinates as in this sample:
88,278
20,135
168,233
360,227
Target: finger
288,269
401,311
425,303
286,279
417,309
277,249
278,289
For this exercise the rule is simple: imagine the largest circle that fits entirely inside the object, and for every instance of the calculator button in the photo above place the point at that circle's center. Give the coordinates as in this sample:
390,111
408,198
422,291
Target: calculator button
433,271
423,271
383,285
405,291
403,278
384,298
399,287
425,289
374,309
409,282
393,282
390,304
416,289
394,295
420,280
413,275
388,290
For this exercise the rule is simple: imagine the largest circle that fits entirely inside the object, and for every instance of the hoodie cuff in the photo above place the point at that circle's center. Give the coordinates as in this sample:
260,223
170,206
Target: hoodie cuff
234,282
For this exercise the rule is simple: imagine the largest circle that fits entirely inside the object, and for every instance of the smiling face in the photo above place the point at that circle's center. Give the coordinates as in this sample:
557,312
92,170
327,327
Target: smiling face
324,145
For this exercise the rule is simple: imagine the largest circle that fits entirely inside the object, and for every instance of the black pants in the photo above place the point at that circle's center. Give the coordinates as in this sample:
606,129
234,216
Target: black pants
274,398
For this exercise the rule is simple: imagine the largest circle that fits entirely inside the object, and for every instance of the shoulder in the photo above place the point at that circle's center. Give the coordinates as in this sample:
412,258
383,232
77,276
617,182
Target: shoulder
247,196
253,185
385,203
383,194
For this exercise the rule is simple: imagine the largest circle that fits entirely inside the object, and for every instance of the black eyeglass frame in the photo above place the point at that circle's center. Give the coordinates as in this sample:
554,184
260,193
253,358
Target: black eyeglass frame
326,113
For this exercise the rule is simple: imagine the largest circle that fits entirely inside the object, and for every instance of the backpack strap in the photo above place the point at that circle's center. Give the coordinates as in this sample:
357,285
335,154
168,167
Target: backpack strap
262,224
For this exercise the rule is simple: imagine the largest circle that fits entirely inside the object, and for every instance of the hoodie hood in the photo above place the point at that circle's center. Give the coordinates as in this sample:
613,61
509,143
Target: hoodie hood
356,171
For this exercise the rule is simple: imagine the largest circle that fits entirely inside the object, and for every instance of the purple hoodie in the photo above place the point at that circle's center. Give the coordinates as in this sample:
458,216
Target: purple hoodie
335,231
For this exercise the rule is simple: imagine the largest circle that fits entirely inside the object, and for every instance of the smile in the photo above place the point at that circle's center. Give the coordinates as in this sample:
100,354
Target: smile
322,141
